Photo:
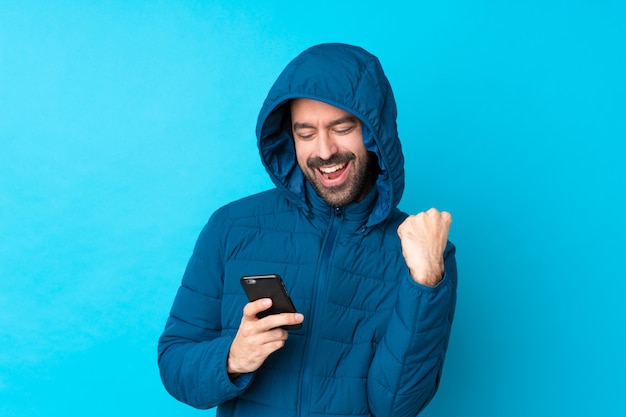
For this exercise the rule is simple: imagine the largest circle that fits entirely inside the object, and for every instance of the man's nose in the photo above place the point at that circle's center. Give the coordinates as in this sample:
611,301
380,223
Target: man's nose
326,146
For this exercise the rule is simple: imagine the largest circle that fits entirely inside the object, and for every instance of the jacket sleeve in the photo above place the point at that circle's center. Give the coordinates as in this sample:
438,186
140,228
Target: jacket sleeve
405,372
192,352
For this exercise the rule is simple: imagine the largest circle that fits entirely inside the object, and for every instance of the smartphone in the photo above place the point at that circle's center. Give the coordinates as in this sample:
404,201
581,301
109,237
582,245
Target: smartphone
270,286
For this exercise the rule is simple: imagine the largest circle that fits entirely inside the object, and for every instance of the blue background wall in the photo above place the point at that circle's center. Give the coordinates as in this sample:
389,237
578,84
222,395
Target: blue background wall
123,125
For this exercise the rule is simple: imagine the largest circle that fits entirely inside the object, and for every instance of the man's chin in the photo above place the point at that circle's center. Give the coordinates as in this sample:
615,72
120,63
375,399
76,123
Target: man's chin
335,196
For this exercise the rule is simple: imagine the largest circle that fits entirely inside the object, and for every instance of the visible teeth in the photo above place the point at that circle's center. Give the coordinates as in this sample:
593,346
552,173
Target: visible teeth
331,169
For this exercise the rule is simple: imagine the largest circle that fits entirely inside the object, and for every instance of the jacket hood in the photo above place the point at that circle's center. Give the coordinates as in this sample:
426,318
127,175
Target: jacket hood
352,79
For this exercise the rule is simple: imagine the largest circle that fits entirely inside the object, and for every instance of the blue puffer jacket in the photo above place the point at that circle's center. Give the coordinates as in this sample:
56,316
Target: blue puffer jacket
373,341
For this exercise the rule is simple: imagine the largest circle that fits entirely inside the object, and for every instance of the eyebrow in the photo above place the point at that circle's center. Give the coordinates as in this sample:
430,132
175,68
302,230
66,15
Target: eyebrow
341,120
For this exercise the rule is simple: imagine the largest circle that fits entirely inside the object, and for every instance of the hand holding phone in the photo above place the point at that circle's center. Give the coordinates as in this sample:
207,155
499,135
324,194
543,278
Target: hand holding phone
270,286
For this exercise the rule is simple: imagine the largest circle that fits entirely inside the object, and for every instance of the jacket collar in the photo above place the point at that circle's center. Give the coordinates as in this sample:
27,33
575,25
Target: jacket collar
356,214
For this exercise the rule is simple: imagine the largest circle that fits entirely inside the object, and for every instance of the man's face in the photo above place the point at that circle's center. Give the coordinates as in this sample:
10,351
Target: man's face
330,151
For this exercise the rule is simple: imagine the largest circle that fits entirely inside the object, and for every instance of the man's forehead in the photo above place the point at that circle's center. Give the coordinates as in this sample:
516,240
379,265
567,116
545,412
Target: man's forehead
305,108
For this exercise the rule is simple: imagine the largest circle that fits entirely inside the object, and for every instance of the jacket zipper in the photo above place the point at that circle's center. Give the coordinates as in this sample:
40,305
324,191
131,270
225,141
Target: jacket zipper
320,286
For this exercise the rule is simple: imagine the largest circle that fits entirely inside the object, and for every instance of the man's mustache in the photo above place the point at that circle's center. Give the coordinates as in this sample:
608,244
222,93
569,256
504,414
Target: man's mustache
338,158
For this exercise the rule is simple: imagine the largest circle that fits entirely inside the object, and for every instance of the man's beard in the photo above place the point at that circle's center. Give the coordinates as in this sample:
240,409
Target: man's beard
354,187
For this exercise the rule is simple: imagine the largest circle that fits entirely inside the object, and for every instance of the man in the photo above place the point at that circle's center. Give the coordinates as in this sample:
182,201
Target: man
375,289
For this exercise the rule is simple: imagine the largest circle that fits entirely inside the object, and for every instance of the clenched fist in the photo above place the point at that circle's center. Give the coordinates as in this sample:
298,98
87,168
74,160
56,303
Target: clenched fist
424,238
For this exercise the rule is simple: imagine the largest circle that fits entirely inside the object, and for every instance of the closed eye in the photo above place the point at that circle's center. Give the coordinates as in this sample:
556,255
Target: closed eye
344,125
344,130
305,135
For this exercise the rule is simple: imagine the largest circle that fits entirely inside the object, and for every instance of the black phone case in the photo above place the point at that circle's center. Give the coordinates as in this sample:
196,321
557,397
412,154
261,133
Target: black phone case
269,286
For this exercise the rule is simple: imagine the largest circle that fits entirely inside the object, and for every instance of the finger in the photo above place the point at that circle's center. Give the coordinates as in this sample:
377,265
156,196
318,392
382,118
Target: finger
254,307
275,345
403,226
283,319
266,342
272,346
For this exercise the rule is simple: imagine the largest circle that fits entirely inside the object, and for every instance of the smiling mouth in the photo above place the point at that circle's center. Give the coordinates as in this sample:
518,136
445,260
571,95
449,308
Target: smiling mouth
333,171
